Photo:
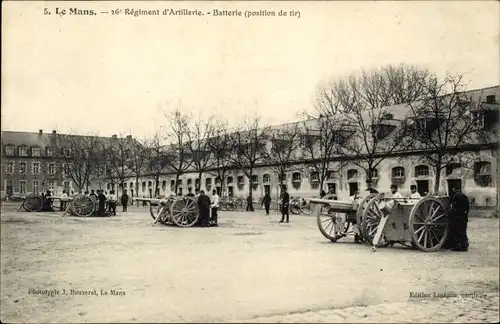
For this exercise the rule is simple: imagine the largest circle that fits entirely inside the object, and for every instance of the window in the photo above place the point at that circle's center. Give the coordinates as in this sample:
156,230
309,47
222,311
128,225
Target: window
52,185
66,186
36,167
50,151
35,186
23,151
282,178
9,150
22,186
374,174
9,167
477,119
229,180
241,180
255,179
22,168
35,151
172,184
314,176
352,174
164,185
189,181
330,175
52,169
296,177
421,171
197,183
208,182
398,172
143,185
217,181
266,178
482,173
125,184
180,183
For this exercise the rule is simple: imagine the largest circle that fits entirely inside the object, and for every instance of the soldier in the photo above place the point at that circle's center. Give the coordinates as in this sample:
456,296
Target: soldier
64,200
93,194
214,204
458,219
395,192
204,207
124,201
285,206
322,194
112,202
266,201
414,193
250,203
352,217
102,203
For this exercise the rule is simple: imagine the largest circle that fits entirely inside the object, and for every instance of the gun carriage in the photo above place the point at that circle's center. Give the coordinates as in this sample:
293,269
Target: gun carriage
179,211
382,221
299,205
37,202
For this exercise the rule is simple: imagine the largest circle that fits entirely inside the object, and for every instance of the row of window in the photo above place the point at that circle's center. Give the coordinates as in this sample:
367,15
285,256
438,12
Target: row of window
10,150
398,173
36,186
36,168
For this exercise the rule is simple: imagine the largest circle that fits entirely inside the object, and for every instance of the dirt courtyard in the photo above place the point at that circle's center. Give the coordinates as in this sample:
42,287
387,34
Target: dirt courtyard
248,267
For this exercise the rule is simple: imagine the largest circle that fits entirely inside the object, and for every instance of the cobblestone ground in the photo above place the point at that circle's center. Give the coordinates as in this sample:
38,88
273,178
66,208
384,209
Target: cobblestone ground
250,269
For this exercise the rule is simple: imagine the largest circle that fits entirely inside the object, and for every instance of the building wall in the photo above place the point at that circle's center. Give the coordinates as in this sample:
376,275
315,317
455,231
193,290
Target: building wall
307,187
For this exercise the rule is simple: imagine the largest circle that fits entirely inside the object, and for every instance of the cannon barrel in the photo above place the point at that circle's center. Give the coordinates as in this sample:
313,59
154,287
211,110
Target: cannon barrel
338,206
150,200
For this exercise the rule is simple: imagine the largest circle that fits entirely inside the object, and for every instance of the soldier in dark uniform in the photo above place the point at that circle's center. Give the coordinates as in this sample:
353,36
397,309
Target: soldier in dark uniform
250,203
285,206
322,194
124,201
102,203
458,219
267,202
204,207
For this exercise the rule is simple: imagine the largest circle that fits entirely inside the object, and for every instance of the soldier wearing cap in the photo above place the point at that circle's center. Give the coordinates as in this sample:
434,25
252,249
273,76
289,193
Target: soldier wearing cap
414,193
458,219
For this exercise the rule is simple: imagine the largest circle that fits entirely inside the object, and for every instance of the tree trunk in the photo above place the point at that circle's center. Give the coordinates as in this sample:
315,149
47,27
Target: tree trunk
250,187
137,188
200,174
177,176
321,184
437,180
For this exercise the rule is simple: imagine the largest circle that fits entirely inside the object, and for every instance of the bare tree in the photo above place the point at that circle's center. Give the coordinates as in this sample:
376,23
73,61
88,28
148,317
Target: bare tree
177,155
80,157
157,160
445,121
118,153
320,142
361,103
220,146
199,145
248,144
137,163
285,143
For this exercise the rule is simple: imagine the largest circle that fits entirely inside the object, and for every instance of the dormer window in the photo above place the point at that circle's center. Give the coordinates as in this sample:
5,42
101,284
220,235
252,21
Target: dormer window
35,151
23,151
381,131
9,150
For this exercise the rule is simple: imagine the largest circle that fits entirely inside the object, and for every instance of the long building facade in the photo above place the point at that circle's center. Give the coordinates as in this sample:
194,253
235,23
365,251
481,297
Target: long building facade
478,179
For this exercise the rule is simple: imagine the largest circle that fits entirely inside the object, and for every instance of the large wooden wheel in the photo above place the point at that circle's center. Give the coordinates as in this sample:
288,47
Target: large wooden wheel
295,206
361,210
371,218
429,224
33,203
184,212
162,208
82,206
332,225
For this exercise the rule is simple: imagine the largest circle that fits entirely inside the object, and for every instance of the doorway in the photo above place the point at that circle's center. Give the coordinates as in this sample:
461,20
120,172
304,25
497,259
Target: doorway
353,187
218,190
267,189
422,187
230,191
332,186
454,183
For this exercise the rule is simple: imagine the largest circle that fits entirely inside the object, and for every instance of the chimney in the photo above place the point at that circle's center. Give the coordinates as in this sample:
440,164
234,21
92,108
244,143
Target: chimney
114,136
129,138
40,132
54,132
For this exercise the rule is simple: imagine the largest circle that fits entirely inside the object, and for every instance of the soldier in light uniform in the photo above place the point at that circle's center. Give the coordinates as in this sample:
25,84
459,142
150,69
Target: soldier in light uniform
414,193
355,199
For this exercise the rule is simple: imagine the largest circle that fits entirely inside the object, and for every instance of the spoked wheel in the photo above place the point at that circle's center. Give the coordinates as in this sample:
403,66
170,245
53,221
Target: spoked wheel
359,214
331,225
82,206
163,207
371,219
185,212
33,203
429,224
295,207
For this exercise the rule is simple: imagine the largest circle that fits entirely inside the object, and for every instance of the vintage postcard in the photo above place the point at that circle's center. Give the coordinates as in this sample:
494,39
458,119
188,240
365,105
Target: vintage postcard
250,161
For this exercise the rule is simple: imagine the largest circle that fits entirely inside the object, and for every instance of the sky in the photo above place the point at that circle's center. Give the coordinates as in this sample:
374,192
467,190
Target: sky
117,74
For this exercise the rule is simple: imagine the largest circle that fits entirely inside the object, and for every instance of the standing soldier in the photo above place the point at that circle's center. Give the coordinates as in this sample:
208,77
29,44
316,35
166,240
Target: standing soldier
250,203
112,202
458,219
204,207
64,200
124,201
285,206
102,203
214,204
266,201
414,193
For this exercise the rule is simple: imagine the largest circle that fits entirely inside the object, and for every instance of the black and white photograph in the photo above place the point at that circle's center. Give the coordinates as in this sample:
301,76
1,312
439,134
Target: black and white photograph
250,162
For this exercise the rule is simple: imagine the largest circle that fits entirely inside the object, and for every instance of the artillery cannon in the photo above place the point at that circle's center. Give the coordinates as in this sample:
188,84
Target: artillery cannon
299,205
37,202
420,223
180,211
